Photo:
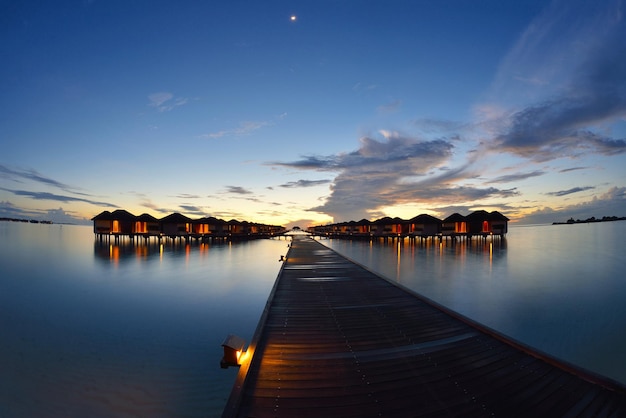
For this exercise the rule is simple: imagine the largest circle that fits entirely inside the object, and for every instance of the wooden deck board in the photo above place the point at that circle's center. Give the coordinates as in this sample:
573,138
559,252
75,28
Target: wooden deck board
337,340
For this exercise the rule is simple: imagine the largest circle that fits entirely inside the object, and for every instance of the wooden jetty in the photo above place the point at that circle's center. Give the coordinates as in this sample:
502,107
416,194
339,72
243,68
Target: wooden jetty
336,340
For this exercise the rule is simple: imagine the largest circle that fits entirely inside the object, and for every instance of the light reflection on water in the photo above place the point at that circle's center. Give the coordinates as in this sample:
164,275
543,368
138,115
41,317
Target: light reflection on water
559,288
98,329
90,329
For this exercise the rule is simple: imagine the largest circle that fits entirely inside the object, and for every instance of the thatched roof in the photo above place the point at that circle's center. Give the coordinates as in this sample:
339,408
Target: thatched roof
122,215
103,216
478,216
455,217
483,215
175,218
145,217
497,216
425,219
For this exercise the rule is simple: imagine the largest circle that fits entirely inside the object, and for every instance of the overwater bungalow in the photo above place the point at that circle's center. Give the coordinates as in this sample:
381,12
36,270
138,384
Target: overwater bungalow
482,222
123,223
388,226
117,222
479,223
234,227
210,226
424,226
363,227
499,223
454,225
102,223
176,225
147,224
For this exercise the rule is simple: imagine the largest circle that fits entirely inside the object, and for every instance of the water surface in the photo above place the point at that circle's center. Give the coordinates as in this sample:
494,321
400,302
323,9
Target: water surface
99,330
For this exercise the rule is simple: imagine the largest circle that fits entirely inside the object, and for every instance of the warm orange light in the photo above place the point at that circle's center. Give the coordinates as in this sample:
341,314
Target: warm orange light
242,357
114,253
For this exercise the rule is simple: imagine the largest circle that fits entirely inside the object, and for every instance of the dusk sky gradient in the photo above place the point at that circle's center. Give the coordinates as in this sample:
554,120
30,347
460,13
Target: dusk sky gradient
354,109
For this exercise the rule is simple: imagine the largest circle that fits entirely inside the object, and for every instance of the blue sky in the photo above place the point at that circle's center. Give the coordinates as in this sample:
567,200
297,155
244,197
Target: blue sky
349,110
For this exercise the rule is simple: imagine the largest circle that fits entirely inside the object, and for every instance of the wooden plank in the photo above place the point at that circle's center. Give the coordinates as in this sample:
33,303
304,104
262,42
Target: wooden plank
337,340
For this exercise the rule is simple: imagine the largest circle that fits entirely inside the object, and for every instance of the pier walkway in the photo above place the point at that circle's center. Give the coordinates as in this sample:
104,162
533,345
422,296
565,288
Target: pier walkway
336,340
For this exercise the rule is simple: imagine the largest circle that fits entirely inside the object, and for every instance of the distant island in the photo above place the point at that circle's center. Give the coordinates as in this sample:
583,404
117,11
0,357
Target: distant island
591,220
32,221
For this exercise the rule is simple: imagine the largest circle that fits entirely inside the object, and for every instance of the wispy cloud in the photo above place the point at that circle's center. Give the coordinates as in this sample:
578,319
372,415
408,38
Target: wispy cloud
196,210
244,128
570,191
610,203
583,82
304,183
21,176
237,190
567,170
188,196
164,101
18,175
56,197
516,177
364,87
144,201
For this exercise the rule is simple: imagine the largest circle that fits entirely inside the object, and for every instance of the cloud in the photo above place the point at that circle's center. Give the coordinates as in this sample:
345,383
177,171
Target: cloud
9,210
18,175
556,129
610,203
164,101
188,196
567,170
394,170
570,191
304,183
237,190
61,216
56,197
364,87
157,99
244,128
516,177
581,63
394,149
192,209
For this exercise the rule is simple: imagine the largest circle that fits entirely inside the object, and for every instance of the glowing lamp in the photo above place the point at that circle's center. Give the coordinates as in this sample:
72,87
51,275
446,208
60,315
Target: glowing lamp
233,347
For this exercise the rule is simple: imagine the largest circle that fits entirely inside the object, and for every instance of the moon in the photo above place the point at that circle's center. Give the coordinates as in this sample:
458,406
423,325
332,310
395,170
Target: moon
293,18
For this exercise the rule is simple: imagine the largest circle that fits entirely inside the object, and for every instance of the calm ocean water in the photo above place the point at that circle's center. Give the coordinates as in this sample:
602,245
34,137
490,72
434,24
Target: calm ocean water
94,330
99,330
